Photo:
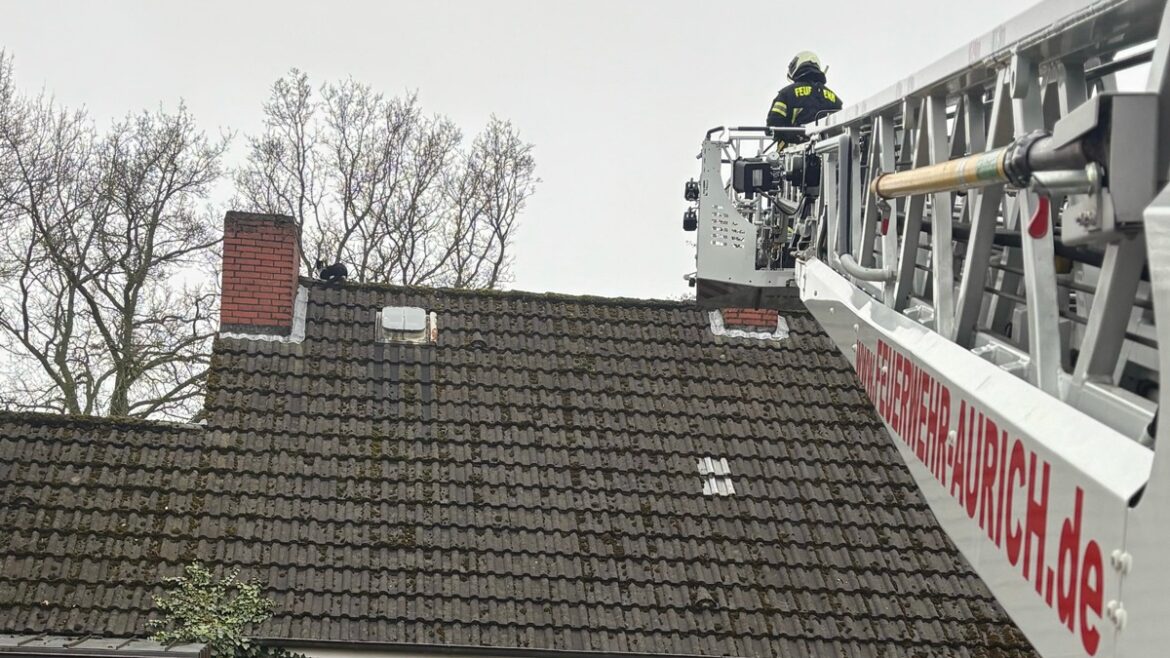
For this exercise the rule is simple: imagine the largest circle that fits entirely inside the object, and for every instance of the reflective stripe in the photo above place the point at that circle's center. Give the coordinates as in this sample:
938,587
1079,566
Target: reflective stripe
780,108
796,113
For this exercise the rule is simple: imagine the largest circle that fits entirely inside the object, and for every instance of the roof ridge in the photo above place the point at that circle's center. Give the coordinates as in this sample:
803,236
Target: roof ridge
599,300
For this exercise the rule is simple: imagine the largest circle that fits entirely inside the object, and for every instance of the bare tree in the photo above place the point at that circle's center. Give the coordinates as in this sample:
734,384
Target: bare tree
497,179
107,308
392,192
281,175
106,303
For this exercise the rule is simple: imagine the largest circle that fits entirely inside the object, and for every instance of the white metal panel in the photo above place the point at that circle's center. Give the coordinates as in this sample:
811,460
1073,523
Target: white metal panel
1049,487
716,476
1145,599
727,239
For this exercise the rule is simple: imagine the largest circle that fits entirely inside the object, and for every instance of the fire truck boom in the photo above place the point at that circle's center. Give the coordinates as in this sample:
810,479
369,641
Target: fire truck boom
988,242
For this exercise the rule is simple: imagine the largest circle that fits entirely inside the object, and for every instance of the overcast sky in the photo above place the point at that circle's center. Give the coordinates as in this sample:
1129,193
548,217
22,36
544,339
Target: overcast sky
615,94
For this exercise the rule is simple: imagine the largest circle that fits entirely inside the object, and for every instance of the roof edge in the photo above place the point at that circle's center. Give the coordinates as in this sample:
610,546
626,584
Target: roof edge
503,294
88,646
128,422
460,649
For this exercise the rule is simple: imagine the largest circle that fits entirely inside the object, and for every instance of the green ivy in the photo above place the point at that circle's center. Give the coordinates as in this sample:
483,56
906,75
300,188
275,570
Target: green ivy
198,608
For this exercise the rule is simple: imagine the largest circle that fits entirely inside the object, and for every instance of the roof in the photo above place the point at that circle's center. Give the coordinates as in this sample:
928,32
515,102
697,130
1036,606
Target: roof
531,481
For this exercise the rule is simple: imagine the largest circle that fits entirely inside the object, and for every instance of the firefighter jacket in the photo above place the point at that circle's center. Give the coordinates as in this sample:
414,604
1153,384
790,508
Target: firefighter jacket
802,102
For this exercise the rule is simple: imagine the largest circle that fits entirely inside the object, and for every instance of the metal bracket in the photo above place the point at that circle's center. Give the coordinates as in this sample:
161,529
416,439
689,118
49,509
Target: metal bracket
1023,75
1121,561
1090,218
1115,612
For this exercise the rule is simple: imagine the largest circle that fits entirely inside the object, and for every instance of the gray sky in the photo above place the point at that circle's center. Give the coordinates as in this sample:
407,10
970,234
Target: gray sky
616,95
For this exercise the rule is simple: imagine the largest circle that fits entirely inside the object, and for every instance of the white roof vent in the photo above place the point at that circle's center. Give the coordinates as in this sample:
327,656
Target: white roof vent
404,318
407,324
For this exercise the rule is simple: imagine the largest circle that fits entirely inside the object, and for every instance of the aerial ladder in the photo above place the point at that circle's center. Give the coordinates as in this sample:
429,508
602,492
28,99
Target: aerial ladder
988,242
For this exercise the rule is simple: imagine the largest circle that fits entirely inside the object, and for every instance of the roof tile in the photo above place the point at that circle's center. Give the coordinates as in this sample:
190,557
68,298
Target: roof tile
536,490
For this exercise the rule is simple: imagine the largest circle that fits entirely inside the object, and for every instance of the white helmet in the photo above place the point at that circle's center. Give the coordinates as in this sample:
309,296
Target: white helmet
803,60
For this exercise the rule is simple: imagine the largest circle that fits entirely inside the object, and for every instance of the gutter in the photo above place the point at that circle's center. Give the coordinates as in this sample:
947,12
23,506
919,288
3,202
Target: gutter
460,649
38,646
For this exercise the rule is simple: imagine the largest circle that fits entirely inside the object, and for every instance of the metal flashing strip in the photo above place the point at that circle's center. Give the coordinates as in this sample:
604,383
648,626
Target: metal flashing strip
297,333
716,477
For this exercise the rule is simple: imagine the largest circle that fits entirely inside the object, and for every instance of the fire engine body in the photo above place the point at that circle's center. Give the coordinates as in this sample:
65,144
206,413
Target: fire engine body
988,242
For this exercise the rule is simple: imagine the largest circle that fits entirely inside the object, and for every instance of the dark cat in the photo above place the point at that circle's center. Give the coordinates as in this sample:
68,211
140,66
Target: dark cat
336,272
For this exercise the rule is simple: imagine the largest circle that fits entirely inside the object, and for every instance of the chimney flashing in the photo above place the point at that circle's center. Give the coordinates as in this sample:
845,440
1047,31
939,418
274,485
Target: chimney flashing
296,333
760,324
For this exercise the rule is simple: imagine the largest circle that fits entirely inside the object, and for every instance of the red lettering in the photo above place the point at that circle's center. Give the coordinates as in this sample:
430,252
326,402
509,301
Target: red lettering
874,378
988,471
868,377
974,458
884,380
930,420
874,392
941,421
1015,474
1068,561
910,420
1092,596
922,429
1036,523
958,467
1003,446
908,382
902,392
895,418
899,396
990,467
914,426
888,392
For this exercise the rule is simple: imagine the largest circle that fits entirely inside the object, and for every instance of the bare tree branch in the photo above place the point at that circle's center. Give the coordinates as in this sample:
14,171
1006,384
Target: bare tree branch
375,183
108,268
102,229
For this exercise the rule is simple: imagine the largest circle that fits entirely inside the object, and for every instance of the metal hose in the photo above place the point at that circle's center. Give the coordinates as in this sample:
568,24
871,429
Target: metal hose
977,170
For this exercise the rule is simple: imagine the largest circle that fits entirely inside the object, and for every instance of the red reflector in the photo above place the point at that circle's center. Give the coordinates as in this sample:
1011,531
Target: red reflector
885,225
1038,226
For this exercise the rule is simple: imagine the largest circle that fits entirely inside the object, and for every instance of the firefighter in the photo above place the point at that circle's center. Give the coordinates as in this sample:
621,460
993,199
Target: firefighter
805,100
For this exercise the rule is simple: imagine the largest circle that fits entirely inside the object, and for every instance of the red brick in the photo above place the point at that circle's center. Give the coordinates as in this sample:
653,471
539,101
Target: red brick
260,267
754,318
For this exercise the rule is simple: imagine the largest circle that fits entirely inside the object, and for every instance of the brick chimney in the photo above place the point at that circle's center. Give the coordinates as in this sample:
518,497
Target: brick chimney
261,259
750,319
